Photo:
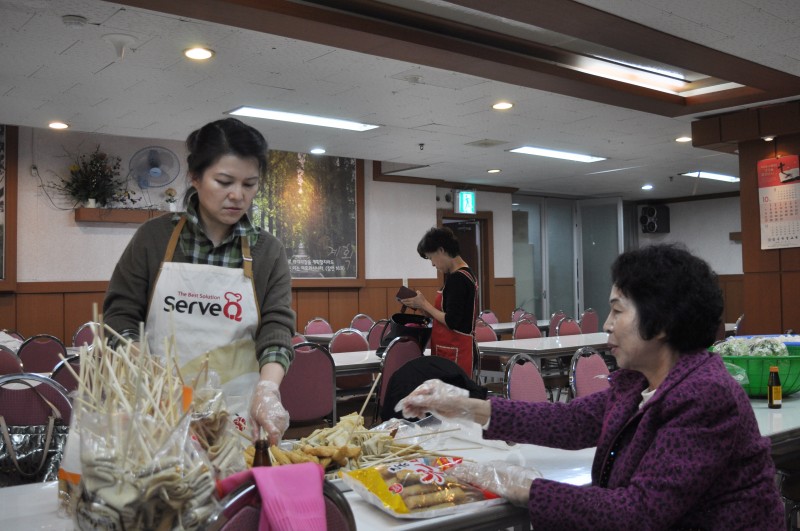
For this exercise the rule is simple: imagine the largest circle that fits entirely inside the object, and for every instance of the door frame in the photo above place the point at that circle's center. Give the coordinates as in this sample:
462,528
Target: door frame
486,227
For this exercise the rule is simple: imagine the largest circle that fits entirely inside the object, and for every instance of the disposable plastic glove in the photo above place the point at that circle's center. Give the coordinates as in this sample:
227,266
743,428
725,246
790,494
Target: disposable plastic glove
443,400
512,482
267,412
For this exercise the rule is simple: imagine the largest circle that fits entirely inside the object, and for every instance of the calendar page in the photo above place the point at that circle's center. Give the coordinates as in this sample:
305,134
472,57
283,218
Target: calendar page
779,198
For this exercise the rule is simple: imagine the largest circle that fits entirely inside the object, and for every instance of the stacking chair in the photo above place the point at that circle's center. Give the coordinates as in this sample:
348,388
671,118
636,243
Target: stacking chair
362,322
568,327
298,338
554,320
517,314
308,391
399,352
85,335
21,401
9,362
318,325
489,316
350,340
240,510
526,329
66,377
590,321
523,380
41,353
737,328
376,333
484,332
588,373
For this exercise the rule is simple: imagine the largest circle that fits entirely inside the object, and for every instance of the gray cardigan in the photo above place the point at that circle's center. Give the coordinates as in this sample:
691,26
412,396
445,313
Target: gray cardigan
134,277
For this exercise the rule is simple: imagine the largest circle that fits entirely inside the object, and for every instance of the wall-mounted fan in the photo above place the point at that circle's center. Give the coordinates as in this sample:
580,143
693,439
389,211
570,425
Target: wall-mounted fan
155,166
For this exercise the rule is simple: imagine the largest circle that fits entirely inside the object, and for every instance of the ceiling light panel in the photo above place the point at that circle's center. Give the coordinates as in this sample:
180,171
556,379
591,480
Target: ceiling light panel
565,155
712,176
306,119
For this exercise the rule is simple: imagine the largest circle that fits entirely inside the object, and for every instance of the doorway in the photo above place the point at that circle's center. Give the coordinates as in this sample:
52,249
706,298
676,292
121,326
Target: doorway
474,239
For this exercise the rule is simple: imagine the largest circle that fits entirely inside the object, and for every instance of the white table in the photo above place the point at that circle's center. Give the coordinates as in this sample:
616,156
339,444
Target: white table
544,347
508,327
324,338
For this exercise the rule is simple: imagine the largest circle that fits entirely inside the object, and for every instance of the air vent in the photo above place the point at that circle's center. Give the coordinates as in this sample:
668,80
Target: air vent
486,143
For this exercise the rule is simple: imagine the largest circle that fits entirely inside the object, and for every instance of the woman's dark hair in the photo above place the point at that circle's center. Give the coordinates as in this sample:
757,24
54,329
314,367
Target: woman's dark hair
674,292
224,137
436,238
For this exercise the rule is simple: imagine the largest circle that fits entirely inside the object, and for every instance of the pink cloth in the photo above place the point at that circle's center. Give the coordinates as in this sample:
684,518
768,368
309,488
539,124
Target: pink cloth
291,496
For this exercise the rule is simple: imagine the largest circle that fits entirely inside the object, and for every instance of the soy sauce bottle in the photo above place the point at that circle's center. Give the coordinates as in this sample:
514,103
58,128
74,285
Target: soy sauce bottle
774,393
261,457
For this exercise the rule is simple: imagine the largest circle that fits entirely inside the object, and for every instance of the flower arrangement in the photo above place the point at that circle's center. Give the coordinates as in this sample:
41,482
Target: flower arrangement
95,176
170,195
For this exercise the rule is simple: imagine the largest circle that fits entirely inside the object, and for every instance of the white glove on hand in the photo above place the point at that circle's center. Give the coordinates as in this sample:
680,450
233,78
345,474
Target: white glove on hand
267,412
445,401
512,482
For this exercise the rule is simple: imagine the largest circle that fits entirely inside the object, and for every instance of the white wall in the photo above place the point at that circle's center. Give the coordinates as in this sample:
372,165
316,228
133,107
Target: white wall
705,227
51,246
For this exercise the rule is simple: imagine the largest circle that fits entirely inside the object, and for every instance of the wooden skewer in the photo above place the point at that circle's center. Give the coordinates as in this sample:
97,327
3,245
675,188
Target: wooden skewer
426,434
372,390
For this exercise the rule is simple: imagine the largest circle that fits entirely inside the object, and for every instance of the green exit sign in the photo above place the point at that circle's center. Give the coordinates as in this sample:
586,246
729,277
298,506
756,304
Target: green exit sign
465,202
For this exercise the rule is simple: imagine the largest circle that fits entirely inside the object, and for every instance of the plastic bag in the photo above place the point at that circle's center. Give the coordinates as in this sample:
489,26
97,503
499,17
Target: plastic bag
418,488
739,373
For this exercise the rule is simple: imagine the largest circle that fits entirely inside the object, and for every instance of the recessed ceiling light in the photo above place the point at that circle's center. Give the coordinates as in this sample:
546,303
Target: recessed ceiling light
198,53
57,125
307,119
767,138
514,204
683,139
493,171
317,151
713,176
647,187
502,105
542,152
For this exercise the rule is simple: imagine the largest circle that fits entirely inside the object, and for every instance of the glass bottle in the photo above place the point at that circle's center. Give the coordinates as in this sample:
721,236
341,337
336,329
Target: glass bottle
774,393
261,457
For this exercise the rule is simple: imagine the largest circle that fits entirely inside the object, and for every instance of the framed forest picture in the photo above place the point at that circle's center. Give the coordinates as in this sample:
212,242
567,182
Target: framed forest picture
311,203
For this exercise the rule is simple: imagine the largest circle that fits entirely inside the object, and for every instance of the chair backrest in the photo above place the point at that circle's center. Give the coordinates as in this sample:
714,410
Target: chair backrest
14,334
484,332
40,353
590,321
9,362
526,329
85,334
523,380
489,317
568,327
348,340
517,314
240,510
737,328
588,373
298,338
21,401
554,319
362,322
66,377
376,332
400,351
318,325
308,391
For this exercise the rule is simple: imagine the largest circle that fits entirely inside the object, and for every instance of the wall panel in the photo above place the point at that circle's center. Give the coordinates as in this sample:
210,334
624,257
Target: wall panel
790,291
732,287
762,296
8,311
40,313
342,307
78,309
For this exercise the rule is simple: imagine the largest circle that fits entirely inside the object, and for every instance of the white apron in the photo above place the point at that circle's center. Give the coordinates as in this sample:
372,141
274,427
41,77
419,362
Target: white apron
211,312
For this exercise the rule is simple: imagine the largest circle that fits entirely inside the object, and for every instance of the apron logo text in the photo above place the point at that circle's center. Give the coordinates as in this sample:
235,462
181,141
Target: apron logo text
233,310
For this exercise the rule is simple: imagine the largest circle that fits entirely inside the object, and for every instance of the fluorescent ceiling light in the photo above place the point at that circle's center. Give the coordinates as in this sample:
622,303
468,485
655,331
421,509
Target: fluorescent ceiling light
317,151
307,119
493,171
714,176
541,152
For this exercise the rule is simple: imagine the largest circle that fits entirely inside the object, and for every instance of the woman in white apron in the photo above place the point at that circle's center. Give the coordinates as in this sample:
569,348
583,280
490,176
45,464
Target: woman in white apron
213,283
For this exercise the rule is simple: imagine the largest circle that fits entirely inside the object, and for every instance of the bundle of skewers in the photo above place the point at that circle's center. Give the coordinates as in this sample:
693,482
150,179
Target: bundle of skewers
140,467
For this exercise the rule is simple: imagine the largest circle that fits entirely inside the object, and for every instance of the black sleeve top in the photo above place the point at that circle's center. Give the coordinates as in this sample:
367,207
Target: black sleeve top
458,301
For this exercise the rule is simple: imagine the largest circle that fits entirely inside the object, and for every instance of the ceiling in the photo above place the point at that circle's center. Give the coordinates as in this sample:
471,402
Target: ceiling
427,71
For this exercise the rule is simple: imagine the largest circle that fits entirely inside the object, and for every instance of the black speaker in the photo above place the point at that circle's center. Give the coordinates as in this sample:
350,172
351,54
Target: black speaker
654,218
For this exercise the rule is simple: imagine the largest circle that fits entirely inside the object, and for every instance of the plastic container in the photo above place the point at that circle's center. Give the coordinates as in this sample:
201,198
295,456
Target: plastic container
757,368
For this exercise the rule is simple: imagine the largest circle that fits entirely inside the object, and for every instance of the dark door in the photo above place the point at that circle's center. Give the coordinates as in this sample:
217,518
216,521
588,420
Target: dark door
468,234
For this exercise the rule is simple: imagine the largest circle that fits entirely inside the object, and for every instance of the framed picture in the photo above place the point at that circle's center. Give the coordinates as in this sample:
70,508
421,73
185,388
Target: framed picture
8,207
314,205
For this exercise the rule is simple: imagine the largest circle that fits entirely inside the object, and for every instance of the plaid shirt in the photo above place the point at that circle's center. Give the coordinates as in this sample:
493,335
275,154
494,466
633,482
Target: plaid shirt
196,245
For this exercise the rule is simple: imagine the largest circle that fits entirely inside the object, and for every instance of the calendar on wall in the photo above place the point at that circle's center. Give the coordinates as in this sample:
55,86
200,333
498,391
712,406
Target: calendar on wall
779,200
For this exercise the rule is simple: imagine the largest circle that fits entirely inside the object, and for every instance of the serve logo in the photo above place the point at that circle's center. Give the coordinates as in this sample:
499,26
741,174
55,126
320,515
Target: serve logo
205,305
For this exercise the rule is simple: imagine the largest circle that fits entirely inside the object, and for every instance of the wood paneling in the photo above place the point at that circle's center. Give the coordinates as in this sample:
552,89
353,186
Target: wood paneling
41,313
762,303
732,287
8,311
116,215
790,295
311,303
504,298
754,260
342,307
78,309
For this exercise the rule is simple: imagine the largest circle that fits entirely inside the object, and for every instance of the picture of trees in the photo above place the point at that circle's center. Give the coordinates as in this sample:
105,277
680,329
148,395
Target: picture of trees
309,203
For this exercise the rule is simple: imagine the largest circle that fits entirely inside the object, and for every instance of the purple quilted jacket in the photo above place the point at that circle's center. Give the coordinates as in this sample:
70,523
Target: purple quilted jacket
691,458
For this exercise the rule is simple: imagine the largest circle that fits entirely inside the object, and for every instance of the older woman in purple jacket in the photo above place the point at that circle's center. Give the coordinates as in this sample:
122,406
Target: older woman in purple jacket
678,446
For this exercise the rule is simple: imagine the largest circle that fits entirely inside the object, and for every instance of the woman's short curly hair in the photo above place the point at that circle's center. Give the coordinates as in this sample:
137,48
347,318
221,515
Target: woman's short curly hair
674,292
438,237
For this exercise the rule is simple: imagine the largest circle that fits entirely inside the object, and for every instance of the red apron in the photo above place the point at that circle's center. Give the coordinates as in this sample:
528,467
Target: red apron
451,344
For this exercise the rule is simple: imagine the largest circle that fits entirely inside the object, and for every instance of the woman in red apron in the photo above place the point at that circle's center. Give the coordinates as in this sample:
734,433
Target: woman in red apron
213,283
455,309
